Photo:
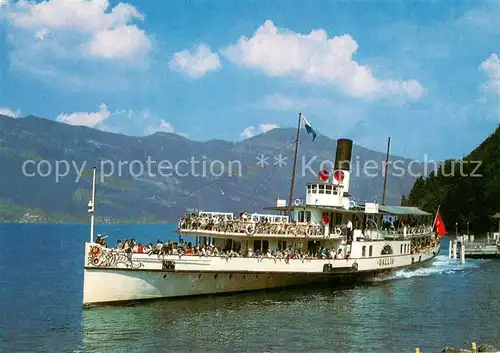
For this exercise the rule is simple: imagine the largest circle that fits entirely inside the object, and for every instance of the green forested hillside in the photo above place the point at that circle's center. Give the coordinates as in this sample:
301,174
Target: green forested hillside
467,189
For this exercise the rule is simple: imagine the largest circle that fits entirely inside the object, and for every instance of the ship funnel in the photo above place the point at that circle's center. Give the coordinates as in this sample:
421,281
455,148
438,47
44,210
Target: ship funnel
343,155
342,166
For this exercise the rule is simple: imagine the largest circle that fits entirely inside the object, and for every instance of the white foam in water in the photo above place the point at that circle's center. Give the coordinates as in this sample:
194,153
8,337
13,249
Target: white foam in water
440,265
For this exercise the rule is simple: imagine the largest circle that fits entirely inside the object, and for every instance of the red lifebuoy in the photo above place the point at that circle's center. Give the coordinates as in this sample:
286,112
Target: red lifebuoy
338,175
323,175
326,220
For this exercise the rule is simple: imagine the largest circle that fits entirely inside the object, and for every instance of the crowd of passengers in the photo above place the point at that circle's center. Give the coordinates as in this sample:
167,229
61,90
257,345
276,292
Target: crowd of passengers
183,248
399,225
234,224
229,223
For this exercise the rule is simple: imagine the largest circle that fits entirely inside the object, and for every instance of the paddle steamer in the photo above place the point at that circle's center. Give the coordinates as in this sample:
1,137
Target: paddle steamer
326,237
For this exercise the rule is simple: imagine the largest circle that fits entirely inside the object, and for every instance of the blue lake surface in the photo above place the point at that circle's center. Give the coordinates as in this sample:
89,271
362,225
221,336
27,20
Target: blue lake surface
41,279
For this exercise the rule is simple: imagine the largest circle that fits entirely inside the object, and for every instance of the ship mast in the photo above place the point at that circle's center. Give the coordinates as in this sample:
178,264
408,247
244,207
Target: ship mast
91,208
386,170
293,170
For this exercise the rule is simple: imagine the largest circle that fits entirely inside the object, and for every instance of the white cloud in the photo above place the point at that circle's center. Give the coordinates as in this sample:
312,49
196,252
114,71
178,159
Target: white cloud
491,67
100,31
196,64
248,132
252,131
164,126
119,42
267,127
82,15
315,58
86,119
10,112
152,125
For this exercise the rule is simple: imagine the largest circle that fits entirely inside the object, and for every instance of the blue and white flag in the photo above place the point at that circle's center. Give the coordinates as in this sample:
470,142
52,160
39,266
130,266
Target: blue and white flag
309,129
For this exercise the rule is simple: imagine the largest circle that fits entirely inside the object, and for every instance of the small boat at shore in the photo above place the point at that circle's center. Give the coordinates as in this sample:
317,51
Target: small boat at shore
326,237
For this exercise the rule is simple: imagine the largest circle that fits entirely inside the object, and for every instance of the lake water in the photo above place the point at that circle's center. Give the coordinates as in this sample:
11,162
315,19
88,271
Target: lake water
41,274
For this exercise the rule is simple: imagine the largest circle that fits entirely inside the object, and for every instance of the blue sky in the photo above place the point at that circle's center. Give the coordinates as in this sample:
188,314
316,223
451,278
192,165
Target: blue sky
425,73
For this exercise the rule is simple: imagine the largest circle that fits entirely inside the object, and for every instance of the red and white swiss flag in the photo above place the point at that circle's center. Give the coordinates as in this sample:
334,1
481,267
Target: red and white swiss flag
440,227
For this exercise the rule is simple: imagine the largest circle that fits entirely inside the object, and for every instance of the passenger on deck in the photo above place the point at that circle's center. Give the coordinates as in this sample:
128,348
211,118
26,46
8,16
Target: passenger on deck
126,246
100,240
119,244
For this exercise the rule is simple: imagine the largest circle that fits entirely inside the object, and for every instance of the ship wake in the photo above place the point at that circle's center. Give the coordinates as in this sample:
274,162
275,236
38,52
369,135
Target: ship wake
440,265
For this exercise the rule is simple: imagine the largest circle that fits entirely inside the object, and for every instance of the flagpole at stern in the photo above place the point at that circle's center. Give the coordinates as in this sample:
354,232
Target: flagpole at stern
294,166
435,218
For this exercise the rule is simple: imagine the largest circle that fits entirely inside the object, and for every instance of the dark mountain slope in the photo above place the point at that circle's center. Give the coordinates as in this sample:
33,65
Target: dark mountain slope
127,193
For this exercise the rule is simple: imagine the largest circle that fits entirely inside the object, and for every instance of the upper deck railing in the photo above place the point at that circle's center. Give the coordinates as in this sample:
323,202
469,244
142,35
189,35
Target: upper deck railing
259,224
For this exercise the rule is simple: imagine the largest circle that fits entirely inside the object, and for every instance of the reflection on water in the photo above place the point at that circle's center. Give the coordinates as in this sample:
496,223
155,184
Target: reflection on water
256,321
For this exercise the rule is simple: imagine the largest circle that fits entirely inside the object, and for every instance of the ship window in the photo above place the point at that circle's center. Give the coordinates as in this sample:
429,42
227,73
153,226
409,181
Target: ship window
313,188
300,216
321,189
363,251
387,250
281,244
257,245
228,244
265,246
308,216
370,252
328,189
401,248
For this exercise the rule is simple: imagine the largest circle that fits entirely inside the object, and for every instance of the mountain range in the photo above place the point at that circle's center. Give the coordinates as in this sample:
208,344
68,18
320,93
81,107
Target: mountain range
31,148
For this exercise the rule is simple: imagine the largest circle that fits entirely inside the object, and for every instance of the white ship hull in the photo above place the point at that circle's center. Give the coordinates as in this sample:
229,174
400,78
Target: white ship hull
111,276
